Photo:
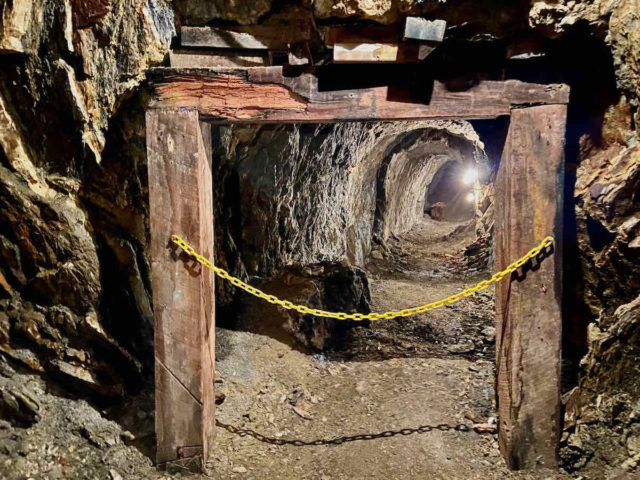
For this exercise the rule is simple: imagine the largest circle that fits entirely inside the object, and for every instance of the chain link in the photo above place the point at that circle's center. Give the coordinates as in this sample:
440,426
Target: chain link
496,277
443,427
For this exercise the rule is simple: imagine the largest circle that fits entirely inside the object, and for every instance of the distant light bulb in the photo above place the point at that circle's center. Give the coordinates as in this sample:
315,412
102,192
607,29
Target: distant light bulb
470,197
470,176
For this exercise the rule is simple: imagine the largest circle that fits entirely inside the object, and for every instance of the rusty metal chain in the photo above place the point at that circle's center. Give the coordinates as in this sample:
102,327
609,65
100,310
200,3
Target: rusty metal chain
547,242
243,432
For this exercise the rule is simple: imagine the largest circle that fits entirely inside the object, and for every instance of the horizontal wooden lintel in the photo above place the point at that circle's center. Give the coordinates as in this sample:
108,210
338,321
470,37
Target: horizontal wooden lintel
267,95
253,37
375,52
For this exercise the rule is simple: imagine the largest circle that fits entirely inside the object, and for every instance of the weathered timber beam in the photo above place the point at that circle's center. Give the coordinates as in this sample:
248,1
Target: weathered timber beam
265,95
420,29
254,37
362,34
198,59
375,52
528,200
181,202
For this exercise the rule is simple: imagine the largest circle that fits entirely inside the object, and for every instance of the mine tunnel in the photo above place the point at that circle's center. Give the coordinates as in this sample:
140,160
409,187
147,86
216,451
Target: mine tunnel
321,239
366,188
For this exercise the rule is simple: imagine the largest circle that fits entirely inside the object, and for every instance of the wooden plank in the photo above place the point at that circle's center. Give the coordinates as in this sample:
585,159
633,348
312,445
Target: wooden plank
416,28
180,200
361,34
299,54
528,207
198,59
375,52
265,95
256,37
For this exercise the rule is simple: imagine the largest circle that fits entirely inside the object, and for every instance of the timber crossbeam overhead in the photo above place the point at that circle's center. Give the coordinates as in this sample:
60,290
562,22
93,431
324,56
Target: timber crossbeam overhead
271,95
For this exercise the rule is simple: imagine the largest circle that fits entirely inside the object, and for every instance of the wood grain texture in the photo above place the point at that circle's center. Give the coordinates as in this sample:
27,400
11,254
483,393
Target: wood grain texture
528,203
198,59
375,53
361,34
255,37
180,199
265,95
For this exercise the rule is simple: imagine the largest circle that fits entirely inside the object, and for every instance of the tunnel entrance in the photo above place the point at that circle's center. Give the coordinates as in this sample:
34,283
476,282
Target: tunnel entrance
180,152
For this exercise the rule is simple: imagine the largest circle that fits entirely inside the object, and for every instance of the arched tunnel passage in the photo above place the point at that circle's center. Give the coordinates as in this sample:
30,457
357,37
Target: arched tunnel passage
425,170
322,214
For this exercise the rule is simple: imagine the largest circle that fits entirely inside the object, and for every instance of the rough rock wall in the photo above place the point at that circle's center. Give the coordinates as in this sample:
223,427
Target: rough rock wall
404,177
299,207
602,411
74,287
308,193
69,210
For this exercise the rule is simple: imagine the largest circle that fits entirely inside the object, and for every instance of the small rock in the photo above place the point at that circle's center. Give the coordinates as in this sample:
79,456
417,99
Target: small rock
302,413
21,408
472,416
114,475
467,347
239,469
377,254
485,428
489,334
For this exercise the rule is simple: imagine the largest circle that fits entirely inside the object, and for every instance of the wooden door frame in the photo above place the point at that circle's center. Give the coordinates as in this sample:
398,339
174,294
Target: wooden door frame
528,203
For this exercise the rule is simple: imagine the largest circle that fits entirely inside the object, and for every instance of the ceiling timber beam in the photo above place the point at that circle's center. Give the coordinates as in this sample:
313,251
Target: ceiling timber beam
267,95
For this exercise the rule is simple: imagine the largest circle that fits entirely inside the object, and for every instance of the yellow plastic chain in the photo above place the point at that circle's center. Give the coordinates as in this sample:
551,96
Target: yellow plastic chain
360,316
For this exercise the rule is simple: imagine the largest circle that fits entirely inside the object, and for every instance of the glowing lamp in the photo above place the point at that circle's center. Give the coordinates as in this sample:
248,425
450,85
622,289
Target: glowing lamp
469,176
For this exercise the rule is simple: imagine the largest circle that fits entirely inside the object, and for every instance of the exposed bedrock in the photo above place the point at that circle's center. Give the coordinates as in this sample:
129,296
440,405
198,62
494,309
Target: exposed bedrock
308,193
317,197
603,410
74,282
74,290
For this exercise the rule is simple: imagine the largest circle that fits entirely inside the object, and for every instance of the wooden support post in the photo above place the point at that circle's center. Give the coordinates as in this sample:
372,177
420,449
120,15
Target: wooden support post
528,201
180,198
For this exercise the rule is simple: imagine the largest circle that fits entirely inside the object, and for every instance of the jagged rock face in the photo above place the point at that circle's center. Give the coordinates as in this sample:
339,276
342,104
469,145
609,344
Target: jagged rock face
608,213
67,224
308,193
602,413
74,283
298,196
616,21
603,408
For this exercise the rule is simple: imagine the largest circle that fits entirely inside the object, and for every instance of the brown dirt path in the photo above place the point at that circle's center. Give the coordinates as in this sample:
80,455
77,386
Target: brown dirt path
285,394
403,375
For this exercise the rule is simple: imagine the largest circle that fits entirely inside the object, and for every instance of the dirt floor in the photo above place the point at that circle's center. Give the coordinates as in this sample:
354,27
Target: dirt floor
372,411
